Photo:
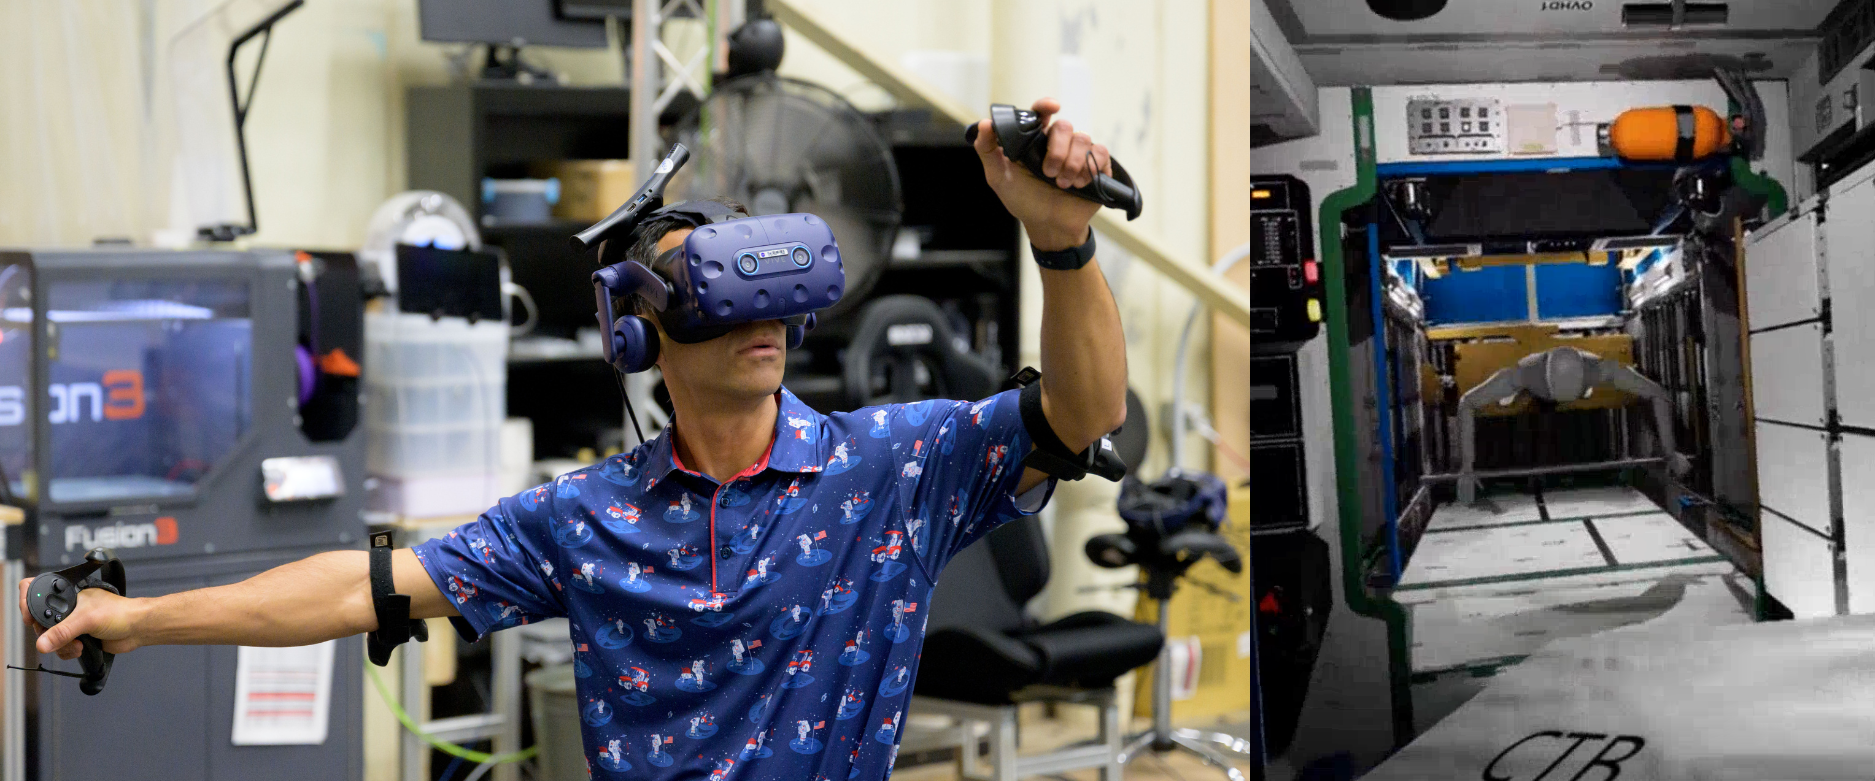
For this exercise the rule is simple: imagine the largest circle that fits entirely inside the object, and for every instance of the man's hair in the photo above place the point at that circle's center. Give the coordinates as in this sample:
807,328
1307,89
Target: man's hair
644,248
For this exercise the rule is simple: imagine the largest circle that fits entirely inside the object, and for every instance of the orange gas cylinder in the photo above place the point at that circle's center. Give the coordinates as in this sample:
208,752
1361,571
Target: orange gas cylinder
1669,133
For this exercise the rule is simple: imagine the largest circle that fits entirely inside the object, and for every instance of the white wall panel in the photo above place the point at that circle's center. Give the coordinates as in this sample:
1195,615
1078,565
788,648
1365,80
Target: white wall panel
1793,473
1797,568
1780,273
1858,519
1787,374
1849,246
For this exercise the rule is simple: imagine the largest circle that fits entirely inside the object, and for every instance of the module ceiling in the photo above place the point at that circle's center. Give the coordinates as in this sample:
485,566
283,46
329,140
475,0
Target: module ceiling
1347,42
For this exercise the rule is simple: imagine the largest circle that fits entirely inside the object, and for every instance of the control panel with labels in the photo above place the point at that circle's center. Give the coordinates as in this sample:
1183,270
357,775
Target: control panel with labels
1455,127
1285,278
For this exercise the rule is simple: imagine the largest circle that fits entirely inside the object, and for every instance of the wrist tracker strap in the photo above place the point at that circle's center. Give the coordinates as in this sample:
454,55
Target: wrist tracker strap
1068,259
1051,456
395,626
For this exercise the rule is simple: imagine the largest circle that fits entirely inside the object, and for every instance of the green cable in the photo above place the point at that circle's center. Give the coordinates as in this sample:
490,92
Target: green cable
440,744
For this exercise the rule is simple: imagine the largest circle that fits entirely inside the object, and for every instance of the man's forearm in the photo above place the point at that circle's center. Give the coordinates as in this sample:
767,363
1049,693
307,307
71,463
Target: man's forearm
1083,356
309,601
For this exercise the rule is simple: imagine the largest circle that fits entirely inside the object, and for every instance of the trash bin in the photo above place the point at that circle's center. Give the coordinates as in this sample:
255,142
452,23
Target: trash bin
556,724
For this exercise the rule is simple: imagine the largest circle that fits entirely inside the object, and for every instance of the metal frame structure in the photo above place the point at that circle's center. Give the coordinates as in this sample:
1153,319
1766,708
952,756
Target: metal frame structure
651,88
13,705
651,93
1104,752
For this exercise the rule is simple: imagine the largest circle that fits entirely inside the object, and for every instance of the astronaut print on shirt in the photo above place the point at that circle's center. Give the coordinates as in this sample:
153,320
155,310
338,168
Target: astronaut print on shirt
768,627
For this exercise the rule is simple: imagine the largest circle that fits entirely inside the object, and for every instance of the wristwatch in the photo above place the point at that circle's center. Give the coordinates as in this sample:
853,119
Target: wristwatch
1067,259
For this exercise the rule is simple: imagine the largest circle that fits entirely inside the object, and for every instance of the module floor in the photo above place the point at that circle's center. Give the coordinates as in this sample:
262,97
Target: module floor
1492,582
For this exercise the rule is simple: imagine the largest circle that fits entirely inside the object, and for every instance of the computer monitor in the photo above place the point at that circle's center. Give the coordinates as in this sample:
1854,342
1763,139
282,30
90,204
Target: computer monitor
506,22
594,9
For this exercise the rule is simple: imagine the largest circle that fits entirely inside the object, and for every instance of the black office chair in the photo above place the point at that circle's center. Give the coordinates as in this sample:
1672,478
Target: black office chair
1171,525
983,656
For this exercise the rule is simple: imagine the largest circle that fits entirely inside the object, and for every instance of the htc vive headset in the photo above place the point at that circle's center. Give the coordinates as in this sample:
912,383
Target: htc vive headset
730,270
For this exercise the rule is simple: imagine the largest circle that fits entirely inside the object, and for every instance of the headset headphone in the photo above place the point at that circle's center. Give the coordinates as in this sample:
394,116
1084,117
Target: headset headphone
635,342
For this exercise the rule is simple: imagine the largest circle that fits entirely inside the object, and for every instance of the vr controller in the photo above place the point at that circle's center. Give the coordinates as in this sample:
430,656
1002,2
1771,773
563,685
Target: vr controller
1019,133
730,270
53,595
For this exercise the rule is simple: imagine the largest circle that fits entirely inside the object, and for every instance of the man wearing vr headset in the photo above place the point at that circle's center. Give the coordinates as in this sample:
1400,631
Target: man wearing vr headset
758,568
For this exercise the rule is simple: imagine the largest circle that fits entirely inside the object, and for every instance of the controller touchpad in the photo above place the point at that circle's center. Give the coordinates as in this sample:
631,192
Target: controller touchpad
54,598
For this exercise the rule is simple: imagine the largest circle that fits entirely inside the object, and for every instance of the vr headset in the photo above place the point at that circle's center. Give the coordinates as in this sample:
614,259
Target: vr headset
730,270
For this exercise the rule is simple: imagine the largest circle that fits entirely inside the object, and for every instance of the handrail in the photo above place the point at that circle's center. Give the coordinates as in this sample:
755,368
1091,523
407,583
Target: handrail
1348,455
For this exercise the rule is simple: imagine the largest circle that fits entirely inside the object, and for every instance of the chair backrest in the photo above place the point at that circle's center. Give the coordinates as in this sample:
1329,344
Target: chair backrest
986,585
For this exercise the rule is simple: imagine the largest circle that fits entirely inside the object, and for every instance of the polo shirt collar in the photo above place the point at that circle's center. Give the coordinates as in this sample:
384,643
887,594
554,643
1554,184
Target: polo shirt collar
795,445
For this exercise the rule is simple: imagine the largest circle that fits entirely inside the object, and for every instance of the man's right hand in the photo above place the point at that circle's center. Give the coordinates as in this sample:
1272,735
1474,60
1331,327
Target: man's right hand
99,613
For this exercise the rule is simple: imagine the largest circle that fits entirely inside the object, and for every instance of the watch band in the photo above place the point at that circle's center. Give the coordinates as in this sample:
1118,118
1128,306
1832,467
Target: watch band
1068,259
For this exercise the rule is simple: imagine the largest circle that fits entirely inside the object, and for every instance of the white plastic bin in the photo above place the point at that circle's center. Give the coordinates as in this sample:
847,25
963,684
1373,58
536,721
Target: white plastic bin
435,398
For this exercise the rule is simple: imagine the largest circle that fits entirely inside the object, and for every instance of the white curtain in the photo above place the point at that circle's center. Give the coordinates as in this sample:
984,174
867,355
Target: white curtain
96,140
78,122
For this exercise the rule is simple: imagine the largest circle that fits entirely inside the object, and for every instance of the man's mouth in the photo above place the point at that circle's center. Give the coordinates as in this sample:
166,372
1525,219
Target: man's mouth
761,346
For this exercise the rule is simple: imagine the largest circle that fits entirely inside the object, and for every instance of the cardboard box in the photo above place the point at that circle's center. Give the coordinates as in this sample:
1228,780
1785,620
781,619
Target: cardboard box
1210,630
592,189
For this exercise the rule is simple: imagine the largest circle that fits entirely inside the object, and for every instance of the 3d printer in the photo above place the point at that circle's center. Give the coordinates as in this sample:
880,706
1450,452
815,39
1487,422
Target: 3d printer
195,412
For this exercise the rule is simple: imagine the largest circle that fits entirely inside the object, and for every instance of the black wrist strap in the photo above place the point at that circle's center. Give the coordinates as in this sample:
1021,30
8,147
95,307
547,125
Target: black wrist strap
1068,259
1051,456
395,626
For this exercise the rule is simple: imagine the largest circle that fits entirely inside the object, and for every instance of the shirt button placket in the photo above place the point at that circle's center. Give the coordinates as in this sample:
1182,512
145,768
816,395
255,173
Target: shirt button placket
723,551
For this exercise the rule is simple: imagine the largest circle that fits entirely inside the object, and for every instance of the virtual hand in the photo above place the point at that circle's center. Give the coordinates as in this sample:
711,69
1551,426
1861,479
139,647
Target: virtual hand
1054,219
1679,465
99,613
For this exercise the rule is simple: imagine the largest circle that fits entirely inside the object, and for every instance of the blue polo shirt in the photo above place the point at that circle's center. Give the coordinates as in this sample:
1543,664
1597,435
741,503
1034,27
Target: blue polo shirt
764,628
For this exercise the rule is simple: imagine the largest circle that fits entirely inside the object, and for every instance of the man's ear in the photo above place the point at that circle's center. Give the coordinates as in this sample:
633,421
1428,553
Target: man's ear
664,341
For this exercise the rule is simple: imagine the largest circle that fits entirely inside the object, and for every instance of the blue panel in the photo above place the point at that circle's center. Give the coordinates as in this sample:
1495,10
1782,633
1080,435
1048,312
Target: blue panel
1492,294
1408,271
1577,290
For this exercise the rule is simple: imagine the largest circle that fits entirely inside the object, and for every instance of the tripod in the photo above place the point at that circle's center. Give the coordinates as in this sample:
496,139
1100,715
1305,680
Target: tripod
1162,737
1171,524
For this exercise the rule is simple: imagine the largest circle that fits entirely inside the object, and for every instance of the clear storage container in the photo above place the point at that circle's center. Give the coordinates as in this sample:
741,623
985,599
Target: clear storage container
435,397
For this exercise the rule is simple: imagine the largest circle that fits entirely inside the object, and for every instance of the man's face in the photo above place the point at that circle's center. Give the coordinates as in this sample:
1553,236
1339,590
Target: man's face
746,362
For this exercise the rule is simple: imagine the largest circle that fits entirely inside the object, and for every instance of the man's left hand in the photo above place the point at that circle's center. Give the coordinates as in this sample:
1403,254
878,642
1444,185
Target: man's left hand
1054,219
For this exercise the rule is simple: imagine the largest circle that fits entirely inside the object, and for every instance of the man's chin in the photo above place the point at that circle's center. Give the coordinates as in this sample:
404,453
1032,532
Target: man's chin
758,384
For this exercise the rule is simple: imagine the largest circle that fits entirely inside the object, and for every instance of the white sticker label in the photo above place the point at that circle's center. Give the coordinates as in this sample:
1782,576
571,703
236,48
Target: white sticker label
283,696
909,333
